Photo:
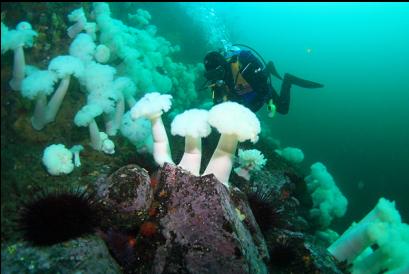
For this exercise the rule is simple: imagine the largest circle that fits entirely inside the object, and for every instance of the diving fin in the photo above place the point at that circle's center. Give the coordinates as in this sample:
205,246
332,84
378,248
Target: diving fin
270,68
294,80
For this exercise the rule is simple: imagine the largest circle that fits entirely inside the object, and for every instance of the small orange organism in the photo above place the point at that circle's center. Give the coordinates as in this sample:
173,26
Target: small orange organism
154,181
285,194
131,241
148,229
163,194
307,260
152,211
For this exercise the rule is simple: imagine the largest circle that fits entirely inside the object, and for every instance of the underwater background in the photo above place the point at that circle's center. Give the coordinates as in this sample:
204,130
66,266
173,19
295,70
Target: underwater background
357,125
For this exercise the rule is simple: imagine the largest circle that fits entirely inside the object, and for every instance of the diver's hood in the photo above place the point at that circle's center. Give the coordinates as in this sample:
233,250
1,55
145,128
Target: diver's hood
213,60
215,74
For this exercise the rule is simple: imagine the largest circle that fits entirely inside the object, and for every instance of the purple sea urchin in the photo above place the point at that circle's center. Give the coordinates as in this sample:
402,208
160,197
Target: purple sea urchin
54,217
282,254
266,213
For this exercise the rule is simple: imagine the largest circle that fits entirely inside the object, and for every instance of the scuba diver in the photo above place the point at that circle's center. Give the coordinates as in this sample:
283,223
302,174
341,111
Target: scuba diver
238,75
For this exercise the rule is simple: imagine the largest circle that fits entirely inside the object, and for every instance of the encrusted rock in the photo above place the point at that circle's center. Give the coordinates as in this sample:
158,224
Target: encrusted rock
295,252
202,228
82,255
180,223
127,195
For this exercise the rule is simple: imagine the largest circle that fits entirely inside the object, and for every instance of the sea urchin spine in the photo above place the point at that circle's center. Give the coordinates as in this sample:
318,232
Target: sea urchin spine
58,216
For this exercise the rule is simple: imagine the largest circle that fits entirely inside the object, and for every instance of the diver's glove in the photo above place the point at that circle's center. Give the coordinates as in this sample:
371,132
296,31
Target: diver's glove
271,108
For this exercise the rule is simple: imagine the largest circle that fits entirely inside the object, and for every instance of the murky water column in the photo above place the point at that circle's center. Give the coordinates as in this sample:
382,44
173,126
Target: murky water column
211,25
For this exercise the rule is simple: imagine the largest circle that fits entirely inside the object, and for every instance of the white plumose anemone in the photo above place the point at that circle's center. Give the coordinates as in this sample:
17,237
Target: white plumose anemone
236,123
193,125
58,160
152,106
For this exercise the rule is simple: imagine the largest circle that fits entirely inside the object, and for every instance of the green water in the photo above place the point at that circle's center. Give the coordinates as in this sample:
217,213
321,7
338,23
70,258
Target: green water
358,125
